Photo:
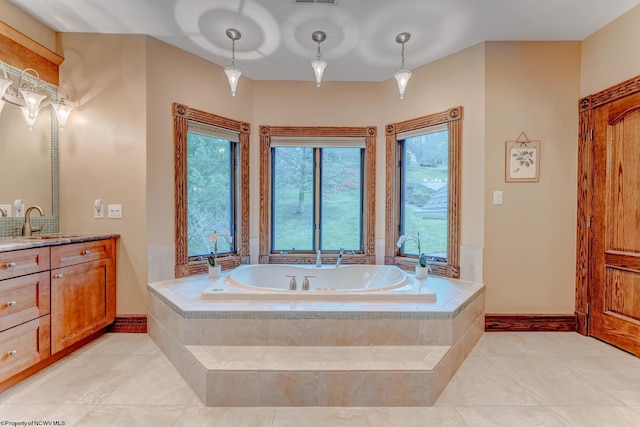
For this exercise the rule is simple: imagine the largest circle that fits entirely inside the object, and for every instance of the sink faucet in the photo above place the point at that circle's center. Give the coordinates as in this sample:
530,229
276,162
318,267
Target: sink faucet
339,257
3,212
27,229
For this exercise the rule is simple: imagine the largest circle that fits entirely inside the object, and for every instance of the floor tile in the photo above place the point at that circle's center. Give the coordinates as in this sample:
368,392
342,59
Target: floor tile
321,417
510,416
232,417
131,415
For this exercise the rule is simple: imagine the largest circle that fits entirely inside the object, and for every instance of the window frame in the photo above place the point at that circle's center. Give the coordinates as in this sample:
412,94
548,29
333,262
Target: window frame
182,114
369,133
453,119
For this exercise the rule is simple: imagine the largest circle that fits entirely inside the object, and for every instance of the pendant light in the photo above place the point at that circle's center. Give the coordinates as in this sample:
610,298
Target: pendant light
403,75
318,64
233,73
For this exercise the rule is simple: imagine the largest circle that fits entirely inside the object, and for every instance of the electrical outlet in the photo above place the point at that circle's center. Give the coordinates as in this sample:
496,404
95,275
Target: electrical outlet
114,211
6,209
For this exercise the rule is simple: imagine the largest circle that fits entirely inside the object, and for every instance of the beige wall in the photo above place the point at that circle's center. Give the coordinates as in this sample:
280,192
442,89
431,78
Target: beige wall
530,239
611,55
103,150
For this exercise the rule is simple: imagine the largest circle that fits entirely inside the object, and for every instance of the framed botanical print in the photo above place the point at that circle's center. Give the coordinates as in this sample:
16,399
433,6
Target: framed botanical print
522,161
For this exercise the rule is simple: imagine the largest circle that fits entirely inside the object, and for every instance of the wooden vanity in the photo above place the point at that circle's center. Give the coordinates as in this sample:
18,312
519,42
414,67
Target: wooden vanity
56,294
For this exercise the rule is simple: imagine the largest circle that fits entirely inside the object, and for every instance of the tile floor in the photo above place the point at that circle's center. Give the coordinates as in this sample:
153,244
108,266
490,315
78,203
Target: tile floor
510,379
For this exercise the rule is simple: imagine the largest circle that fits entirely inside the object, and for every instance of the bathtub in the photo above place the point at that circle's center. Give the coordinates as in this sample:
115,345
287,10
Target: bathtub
326,283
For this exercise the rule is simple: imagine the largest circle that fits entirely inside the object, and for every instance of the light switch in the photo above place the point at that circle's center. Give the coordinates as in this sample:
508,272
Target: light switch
114,211
497,197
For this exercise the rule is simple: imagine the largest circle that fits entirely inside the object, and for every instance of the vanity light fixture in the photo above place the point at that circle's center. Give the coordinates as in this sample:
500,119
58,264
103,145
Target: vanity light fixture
318,64
62,110
26,96
403,75
233,73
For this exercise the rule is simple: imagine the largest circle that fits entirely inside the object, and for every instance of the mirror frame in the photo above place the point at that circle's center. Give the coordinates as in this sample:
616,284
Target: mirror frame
21,52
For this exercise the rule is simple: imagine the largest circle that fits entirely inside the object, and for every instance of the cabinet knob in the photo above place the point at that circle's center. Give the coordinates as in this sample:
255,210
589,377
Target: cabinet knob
85,252
12,352
12,265
58,276
10,303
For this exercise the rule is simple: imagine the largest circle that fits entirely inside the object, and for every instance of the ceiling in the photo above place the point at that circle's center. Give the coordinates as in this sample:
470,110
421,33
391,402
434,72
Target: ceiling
276,39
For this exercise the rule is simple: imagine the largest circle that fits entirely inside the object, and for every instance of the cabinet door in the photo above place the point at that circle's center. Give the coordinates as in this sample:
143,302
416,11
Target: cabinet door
82,301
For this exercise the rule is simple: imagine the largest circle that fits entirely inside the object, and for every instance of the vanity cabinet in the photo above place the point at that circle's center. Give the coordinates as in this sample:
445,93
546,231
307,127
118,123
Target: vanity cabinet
83,291
24,310
54,297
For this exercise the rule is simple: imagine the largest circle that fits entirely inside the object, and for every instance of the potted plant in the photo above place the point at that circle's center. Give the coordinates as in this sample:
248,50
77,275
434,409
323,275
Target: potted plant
214,268
421,269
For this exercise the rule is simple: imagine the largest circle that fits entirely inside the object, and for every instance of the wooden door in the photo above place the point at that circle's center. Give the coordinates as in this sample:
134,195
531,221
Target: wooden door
615,271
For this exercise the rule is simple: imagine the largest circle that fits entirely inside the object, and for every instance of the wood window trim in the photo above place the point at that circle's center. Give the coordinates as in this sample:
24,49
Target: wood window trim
453,118
266,132
181,116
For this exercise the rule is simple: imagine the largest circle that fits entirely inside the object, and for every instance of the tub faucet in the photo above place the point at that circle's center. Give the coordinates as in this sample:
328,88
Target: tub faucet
318,259
27,229
339,257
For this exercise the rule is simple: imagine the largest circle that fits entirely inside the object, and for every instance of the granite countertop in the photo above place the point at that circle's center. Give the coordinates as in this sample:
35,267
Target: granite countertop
39,241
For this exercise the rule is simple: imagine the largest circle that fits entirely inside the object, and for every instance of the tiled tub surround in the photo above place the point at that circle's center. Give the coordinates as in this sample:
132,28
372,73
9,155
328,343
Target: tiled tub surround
314,353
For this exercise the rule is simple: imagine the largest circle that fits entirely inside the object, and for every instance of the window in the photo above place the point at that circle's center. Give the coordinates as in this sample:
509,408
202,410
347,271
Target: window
211,172
423,191
317,189
211,189
317,197
423,170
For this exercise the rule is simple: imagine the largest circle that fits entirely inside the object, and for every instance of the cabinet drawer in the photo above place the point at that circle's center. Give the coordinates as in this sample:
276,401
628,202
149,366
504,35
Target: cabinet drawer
27,261
24,346
24,298
76,253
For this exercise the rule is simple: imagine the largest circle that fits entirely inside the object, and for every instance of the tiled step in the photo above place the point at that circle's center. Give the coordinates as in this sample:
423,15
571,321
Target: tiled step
322,375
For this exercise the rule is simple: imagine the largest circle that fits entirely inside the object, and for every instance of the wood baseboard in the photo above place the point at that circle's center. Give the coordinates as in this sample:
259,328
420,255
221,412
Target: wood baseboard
530,322
129,324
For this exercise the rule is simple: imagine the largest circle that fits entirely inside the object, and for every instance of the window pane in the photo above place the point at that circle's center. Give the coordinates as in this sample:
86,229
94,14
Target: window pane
341,202
293,207
209,192
424,193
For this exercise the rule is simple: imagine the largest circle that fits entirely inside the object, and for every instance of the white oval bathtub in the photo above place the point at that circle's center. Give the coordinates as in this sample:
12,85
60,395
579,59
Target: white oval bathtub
328,283
346,278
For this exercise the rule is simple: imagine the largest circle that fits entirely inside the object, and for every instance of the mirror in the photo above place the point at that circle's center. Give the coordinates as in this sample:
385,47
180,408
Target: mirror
29,158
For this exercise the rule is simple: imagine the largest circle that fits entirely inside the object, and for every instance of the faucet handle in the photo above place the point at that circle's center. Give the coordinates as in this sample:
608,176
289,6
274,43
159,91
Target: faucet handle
305,283
293,285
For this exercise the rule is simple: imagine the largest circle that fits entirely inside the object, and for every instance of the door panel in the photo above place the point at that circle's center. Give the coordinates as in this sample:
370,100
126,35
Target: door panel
615,274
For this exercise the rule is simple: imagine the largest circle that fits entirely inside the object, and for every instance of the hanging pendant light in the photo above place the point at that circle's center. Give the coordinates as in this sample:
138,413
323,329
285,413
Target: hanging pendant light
233,73
318,64
403,75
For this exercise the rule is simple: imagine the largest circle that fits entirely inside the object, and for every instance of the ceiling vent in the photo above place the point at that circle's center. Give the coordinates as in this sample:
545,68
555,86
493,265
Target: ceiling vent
329,2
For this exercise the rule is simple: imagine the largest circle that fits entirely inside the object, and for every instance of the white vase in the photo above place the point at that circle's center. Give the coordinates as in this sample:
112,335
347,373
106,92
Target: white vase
215,272
421,272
